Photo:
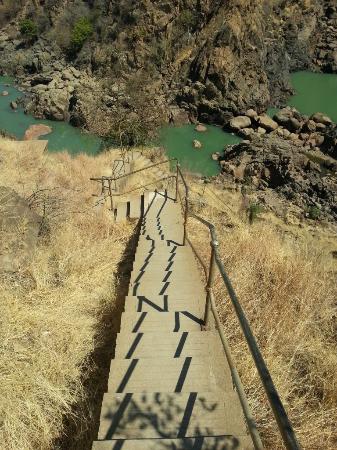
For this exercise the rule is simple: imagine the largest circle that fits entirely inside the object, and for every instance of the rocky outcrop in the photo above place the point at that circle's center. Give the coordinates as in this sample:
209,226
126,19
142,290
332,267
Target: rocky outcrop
303,177
35,131
206,61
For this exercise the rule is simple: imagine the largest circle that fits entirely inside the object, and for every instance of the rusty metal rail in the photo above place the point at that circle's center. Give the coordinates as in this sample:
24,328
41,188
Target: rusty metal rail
284,425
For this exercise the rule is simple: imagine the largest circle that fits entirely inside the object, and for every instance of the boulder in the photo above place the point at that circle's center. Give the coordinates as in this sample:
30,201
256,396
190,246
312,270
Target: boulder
4,93
197,144
35,131
261,130
13,105
310,126
239,122
245,132
251,113
216,156
321,118
267,123
201,128
293,124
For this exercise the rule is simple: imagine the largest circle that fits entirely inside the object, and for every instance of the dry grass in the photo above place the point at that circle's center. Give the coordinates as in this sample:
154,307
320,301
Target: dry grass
287,288
50,326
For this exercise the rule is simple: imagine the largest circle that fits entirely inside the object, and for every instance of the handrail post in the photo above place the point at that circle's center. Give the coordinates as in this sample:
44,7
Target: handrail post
211,276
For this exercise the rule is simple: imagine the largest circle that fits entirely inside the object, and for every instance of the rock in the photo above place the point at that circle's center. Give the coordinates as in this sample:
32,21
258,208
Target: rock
304,136
320,126
282,118
251,113
261,130
321,118
286,133
4,93
197,144
293,124
245,132
239,122
200,128
35,131
13,105
216,156
310,126
267,123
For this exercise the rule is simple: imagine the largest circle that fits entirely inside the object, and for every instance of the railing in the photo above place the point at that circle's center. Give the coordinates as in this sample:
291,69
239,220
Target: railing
283,422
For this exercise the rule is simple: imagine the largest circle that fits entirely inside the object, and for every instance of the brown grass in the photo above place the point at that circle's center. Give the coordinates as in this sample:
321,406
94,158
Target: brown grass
51,324
286,284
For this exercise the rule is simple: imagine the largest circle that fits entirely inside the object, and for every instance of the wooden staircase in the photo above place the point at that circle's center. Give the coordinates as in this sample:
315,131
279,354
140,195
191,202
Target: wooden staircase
170,386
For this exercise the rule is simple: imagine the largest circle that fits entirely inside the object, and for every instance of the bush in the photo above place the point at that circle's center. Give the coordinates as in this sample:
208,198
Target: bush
28,29
253,211
314,212
81,32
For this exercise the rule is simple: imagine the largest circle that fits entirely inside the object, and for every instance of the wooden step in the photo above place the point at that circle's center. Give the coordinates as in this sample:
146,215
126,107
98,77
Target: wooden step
171,345
199,443
162,304
173,415
158,374
134,322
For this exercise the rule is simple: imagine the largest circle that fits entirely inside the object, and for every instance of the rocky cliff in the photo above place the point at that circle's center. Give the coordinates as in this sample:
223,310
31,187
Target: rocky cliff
203,60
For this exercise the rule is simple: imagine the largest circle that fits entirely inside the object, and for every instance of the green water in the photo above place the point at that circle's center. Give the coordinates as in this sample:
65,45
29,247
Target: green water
63,136
178,142
314,92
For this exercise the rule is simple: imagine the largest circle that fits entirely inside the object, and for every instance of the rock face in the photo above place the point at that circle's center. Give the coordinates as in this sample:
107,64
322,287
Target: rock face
307,179
35,131
212,59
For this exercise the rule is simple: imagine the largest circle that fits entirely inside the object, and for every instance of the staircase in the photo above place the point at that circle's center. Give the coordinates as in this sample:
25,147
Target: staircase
170,386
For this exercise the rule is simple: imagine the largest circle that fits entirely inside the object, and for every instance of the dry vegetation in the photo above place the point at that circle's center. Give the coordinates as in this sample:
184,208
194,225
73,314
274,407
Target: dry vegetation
51,323
287,288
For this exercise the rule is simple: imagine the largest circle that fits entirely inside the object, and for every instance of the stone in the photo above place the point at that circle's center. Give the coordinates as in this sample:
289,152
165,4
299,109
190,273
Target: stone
261,130
239,122
304,136
320,127
197,144
4,93
13,105
216,156
245,132
321,118
294,124
35,131
310,126
267,123
251,113
286,133
200,128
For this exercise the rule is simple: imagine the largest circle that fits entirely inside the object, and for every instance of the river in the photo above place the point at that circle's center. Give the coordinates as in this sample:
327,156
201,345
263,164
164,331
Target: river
315,92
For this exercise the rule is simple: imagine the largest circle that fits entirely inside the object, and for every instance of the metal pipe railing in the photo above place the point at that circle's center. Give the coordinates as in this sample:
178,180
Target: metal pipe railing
283,422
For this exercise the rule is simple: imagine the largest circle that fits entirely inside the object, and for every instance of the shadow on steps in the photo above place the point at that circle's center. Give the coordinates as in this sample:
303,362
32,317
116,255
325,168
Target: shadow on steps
82,424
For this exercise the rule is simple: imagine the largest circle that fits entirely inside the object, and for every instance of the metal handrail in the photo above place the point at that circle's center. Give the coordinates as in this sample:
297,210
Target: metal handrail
134,171
283,422
117,194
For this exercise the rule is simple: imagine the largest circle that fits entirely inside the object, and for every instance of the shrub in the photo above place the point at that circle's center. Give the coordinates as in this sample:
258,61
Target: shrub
28,29
314,212
81,32
253,210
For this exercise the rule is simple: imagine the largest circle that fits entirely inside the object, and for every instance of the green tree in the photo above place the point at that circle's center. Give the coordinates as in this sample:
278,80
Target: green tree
82,30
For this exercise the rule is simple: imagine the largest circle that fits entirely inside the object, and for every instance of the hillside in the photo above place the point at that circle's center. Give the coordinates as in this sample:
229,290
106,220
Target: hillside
191,60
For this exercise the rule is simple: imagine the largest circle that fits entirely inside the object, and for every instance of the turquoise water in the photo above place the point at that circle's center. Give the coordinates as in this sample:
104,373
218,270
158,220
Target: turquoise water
63,137
314,92
178,142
